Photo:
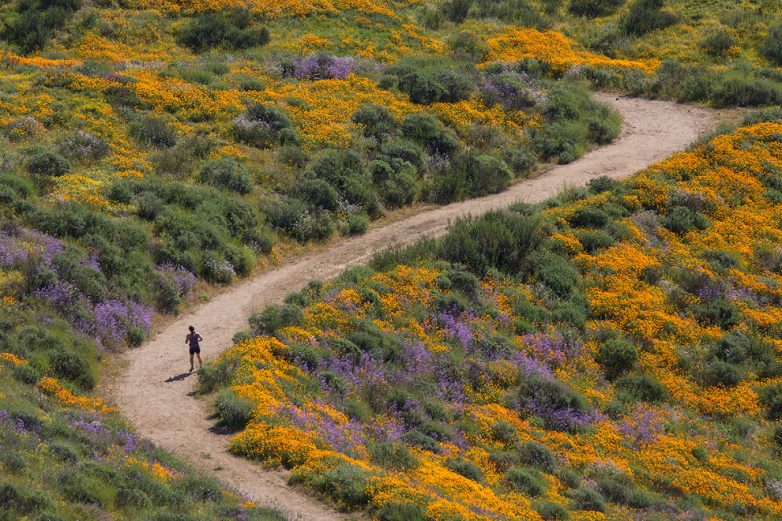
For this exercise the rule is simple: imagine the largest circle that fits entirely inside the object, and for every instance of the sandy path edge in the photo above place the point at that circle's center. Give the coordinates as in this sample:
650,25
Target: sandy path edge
165,411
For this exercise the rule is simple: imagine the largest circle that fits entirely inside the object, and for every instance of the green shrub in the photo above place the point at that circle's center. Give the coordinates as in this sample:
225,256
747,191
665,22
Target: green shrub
210,30
537,455
20,501
556,273
36,21
590,217
616,356
153,131
722,373
551,511
262,126
681,220
557,403
317,193
744,91
377,121
73,367
586,499
467,46
226,173
234,412
594,8
524,481
721,312
132,498
346,484
772,48
418,439
401,512
47,163
646,16
427,130
503,432
771,398
569,477
498,240
456,10
642,387
356,223
392,455
620,490
593,240
718,42
466,468
272,318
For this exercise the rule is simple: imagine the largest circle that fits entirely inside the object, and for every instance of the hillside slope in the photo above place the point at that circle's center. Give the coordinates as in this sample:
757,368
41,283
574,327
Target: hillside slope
609,353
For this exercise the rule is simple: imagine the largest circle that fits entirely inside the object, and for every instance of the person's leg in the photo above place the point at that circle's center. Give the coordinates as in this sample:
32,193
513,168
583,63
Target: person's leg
191,361
200,365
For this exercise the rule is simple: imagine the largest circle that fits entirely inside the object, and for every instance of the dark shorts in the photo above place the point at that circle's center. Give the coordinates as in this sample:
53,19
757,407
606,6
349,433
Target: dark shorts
194,350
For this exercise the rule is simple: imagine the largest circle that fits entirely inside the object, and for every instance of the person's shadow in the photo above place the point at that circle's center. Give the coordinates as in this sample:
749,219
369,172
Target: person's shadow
178,378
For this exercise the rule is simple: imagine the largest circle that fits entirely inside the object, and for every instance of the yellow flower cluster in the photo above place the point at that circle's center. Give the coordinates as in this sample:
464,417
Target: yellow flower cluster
518,43
54,388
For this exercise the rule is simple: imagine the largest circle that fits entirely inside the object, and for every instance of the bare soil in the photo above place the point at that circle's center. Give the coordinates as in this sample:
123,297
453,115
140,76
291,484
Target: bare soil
155,391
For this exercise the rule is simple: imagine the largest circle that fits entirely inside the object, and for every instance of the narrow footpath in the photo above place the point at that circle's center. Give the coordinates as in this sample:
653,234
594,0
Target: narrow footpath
156,394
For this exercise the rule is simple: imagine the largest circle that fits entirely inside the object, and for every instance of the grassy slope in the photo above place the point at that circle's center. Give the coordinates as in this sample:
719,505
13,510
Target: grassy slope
612,353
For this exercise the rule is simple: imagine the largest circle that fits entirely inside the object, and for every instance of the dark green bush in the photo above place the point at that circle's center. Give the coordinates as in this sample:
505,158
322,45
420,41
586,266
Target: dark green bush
551,511
586,499
377,121
594,8
456,10
466,468
356,223
593,240
275,317
221,29
469,47
772,48
346,484
153,131
722,373
718,42
401,512
642,387
552,400
392,455
771,398
226,173
430,132
132,498
19,501
263,126
47,163
681,220
36,21
497,240
721,312
72,367
590,217
234,412
646,16
429,81
556,273
616,356
524,481
537,455
419,439
746,91
317,193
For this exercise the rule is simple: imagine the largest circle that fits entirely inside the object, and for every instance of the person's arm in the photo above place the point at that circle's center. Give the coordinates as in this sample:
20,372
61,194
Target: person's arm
200,338
187,339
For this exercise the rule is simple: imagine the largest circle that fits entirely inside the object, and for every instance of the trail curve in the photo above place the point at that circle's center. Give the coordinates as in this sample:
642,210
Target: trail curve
156,396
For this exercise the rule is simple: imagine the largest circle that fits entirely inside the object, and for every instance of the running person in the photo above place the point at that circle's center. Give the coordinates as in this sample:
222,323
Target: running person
192,340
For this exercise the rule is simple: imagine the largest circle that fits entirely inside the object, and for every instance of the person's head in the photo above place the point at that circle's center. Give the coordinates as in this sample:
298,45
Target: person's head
192,329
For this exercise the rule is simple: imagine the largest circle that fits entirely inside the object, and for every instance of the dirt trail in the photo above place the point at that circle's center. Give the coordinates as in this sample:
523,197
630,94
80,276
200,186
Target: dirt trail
155,392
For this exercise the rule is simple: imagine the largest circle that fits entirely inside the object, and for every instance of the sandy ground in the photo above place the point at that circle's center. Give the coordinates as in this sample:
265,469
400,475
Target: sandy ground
156,391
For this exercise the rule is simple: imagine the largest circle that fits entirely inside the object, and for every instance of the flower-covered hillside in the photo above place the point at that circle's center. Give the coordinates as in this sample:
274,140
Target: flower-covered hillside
610,354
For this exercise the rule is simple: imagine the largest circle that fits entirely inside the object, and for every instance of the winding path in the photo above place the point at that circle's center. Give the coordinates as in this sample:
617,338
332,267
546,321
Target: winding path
155,392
